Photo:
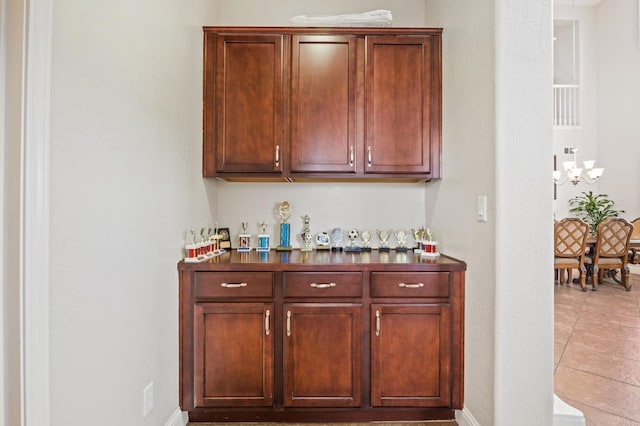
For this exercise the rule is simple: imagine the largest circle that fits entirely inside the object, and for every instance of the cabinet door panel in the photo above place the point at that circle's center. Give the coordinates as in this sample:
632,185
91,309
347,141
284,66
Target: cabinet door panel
323,96
323,351
411,355
398,104
249,108
233,354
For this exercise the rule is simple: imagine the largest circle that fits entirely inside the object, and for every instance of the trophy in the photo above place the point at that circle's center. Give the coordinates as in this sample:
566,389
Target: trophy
383,236
306,234
352,234
285,228
244,242
429,247
366,237
336,237
323,241
263,238
418,236
401,238
192,250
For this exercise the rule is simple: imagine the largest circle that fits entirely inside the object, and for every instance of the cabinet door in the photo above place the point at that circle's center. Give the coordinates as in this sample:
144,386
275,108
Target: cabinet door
323,103
402,124
233,354
322,355
411,355
248,104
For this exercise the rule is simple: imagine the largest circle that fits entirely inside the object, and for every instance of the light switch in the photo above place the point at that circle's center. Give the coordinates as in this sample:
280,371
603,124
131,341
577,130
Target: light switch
482,208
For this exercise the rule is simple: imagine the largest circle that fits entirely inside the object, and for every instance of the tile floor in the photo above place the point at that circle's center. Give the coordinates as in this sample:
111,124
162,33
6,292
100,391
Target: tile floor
597,351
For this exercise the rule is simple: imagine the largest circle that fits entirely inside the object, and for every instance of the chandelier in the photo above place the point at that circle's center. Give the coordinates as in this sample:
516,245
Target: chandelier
573,173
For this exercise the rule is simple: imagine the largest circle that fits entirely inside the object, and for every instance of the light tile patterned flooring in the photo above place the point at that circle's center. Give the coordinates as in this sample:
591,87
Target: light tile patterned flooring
597,351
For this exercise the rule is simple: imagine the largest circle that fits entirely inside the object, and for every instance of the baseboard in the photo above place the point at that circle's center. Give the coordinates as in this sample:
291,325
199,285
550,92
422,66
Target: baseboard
178,418
465,418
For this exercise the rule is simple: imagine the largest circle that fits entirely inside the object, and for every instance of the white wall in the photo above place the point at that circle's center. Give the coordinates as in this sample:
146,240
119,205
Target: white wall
125,184
468,158
329,205
585,135
618,133
11,30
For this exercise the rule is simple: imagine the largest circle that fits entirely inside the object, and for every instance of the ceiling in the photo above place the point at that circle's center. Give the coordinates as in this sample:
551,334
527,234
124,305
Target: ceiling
576,2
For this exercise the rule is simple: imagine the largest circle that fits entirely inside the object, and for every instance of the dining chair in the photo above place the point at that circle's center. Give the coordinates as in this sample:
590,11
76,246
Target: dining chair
634,244
611,252
570,236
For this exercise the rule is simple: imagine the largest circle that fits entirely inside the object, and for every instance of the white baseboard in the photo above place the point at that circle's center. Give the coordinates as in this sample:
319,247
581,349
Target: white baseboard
465,418
178,418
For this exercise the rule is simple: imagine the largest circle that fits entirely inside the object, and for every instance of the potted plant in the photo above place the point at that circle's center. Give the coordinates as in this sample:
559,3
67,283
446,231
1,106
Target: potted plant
593,209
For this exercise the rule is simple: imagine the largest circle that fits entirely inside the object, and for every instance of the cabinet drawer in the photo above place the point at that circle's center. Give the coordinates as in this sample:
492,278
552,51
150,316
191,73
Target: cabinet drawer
233,284
322,284
410,284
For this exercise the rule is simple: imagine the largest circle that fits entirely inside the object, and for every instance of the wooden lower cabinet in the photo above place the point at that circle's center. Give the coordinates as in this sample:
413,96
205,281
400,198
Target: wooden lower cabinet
322,355
321,337
410,351
233,355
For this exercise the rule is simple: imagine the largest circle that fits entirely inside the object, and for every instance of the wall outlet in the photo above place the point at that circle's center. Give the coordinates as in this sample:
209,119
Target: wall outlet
147,399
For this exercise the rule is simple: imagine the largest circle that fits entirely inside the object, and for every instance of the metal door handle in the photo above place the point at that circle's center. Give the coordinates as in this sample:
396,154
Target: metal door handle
416,285
322,285
233,285
267,322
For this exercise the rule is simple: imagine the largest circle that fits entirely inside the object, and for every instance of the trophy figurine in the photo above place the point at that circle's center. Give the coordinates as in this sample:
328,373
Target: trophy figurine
401,238
383,236
285,228
418,236
336,237
192,249
366,238
323,241
429,247
306,234
352,234
263,238
244,242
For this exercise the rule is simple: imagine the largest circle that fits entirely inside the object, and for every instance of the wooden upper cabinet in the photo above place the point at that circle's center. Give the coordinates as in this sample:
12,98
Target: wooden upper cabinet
403,84
243,104
323,103
315,103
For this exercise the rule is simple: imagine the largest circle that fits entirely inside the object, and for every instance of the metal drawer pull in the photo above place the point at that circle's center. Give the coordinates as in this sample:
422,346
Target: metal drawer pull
267,322
322,285
277,155
377,323
351,156
369,155
233,285
288,323
417,285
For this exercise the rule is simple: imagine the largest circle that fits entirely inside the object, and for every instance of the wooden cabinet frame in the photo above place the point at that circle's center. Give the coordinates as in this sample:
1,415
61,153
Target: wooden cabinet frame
322,104
393,327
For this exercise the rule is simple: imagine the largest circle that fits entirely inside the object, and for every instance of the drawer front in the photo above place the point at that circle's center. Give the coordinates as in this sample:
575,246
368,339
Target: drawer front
409,284
322,284
233,284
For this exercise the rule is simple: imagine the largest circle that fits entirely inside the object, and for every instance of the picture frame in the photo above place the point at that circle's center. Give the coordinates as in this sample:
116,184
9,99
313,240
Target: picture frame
225,238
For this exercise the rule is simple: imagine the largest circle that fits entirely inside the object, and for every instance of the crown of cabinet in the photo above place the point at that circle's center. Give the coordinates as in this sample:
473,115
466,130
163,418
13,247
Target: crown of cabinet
287,104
